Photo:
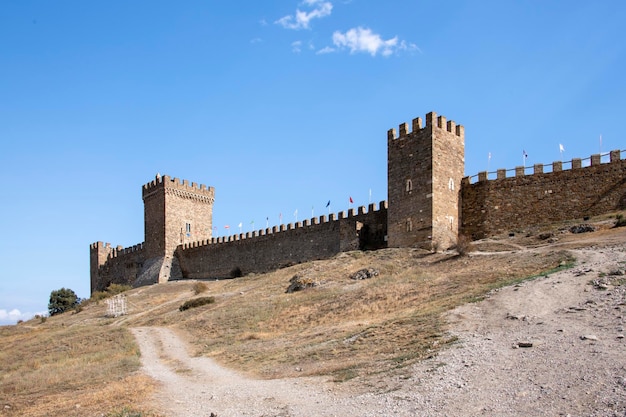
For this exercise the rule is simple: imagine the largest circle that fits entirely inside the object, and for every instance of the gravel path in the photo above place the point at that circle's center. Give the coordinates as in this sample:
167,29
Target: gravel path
550,347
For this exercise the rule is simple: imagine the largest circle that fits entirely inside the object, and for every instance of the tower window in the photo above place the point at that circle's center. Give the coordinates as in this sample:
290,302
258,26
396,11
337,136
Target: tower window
451,184
409,186
409,225
187,228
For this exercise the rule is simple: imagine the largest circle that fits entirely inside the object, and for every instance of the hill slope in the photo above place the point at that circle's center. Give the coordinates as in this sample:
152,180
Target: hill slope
381,336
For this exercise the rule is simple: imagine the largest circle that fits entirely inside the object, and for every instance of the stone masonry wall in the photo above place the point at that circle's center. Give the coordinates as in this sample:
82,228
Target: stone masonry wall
506,204
176,212
447,174
409,185
424,172
269,249
116,265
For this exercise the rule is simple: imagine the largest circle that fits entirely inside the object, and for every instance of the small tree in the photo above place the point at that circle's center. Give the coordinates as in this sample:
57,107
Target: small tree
62,300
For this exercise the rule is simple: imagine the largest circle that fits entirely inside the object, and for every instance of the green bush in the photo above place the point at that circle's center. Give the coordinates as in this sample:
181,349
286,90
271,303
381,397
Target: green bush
62,300
196,302
621,221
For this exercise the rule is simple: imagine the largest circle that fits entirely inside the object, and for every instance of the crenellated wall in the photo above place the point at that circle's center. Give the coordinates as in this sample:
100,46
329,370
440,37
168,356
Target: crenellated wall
429,205
509,203
272,248
259,251
114,265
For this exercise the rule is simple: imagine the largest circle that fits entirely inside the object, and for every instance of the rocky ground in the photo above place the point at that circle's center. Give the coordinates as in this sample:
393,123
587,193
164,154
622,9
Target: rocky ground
553,346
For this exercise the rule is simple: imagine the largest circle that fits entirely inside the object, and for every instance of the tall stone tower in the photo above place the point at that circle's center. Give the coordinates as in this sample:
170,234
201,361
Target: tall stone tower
174,213
424,172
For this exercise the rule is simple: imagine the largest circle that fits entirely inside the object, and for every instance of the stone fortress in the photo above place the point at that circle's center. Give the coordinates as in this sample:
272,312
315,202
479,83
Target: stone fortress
430,203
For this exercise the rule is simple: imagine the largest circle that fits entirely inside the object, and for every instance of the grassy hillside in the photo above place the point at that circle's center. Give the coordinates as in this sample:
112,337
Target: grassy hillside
85,364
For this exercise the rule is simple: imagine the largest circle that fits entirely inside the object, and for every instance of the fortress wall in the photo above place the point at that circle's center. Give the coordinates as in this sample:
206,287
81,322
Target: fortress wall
120,266
283,245
505,204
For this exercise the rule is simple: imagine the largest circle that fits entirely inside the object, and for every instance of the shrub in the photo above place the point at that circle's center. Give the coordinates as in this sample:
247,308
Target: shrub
621,221
199,287
196,302
62,300
112,289
236,272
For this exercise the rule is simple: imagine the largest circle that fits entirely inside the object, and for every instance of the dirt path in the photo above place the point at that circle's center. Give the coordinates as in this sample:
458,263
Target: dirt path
198,386
574,363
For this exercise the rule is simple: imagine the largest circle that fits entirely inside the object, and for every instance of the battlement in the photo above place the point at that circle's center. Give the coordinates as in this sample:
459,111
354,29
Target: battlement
99,245
114,252
556,166
289,227
432,121
179,187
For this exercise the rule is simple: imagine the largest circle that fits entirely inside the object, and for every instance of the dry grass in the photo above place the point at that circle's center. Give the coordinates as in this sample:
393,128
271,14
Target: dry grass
199,287
41,364
342,327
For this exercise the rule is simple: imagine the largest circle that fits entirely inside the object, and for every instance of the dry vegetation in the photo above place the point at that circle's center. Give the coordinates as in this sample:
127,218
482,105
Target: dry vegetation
343,327
42,363
84,364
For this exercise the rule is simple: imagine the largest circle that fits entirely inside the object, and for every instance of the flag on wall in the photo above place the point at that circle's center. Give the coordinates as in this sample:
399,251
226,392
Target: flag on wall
561,148
226,227
351,200
328,204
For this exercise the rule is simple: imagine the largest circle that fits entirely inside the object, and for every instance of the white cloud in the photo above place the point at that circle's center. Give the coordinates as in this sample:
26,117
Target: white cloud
364,40
326,50
296,47
301,19
11,317
256,40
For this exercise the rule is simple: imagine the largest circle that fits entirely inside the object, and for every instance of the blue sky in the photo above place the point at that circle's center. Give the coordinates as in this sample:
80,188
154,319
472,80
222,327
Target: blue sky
281,106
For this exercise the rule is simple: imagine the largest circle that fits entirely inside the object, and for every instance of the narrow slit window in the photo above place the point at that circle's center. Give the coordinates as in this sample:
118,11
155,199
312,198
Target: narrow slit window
409,186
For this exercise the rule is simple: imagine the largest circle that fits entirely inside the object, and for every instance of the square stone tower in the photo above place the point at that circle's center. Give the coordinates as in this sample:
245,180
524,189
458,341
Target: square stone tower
424,172
174,213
